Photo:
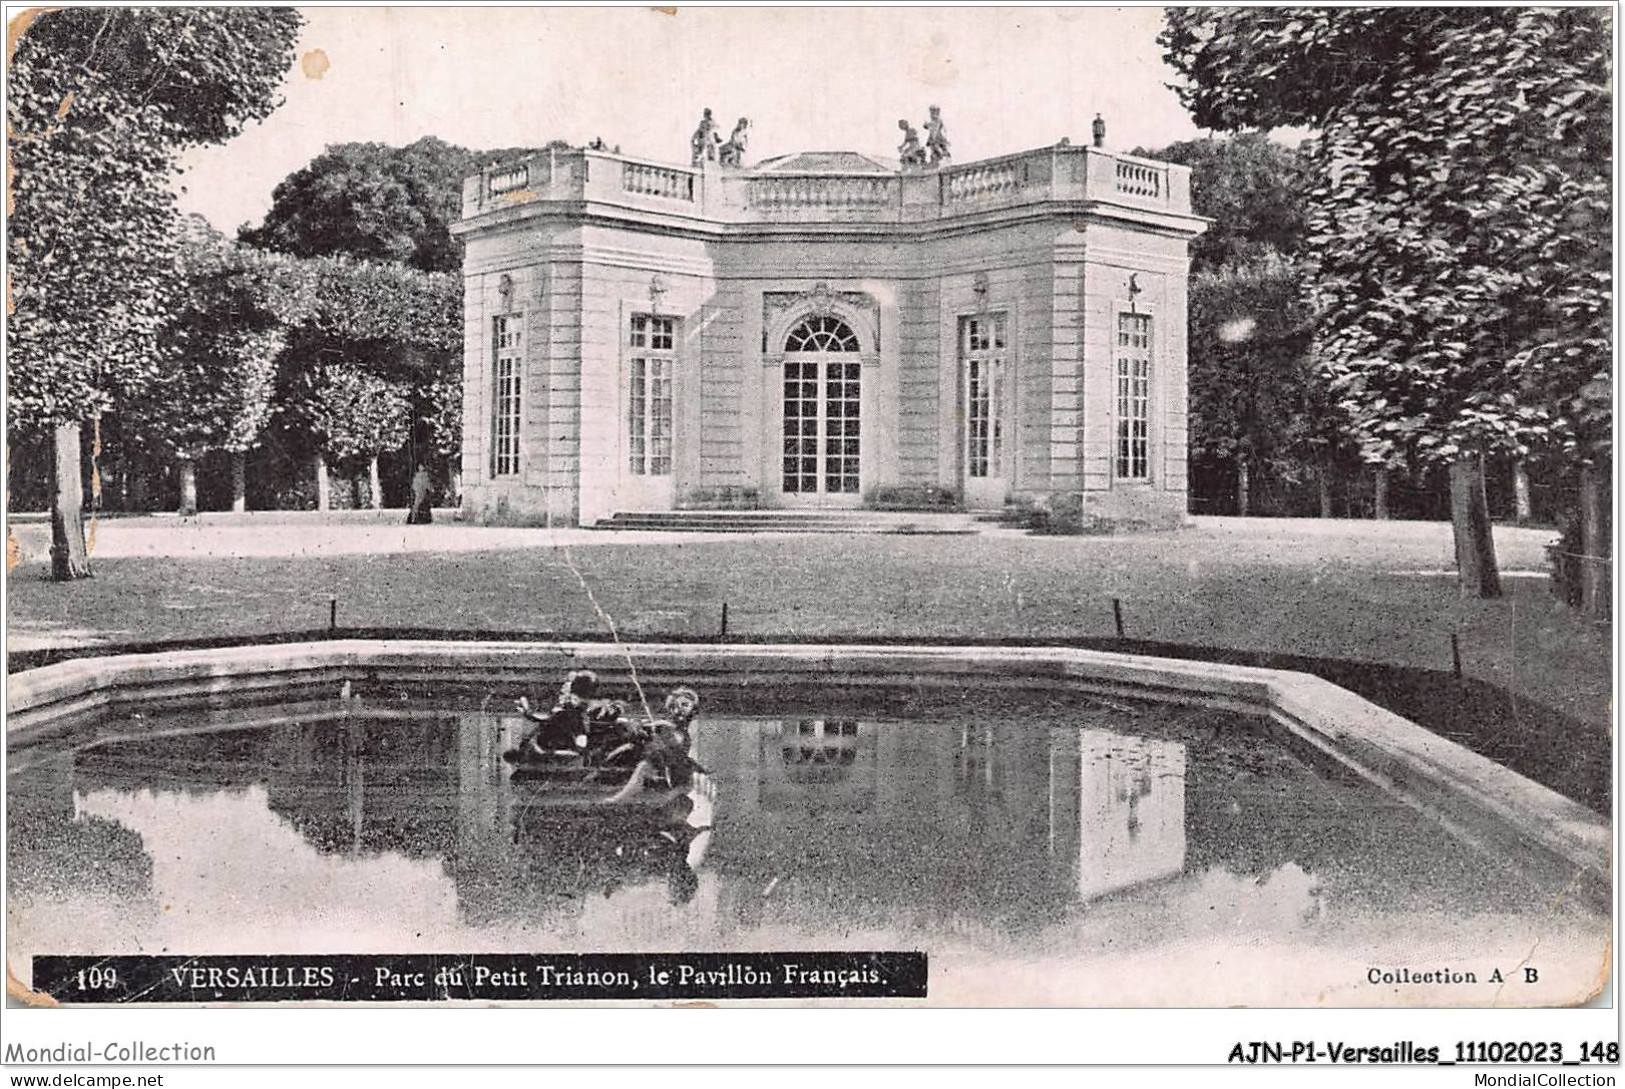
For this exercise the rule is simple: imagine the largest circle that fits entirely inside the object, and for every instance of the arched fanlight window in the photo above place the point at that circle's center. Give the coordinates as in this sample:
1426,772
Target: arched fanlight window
821,334
819,751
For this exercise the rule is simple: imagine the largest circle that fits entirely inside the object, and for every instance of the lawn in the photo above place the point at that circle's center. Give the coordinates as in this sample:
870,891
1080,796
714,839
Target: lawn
1362,591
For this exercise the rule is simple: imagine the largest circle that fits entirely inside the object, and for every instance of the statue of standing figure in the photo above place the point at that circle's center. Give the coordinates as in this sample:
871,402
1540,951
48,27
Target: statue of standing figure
733,152
936,138
909,152
706,140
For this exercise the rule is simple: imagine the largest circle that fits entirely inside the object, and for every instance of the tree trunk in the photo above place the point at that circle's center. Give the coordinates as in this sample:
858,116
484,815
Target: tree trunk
1241,487
1594,560
372,484
1470,519
323,497
239,481
1523,511
188,473
95,470
69,559
1323,482
1381,495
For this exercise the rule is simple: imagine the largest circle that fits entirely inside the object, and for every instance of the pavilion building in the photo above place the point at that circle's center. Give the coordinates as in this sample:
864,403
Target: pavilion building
822,329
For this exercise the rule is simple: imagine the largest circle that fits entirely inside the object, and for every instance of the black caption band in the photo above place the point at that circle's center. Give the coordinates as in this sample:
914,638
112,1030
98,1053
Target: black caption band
440,977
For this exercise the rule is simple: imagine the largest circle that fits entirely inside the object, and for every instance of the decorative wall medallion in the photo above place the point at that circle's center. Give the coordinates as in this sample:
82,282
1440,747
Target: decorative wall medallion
979,285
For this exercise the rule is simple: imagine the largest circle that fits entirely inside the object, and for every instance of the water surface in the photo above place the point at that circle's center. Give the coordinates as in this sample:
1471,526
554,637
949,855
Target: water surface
1041,850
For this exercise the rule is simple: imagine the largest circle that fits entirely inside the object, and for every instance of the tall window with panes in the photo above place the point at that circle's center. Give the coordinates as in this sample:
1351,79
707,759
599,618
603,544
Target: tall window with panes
508,362
653,355
1134,396
982,350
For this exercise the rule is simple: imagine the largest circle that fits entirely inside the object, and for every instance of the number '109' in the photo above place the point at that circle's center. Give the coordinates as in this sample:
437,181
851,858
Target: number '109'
97,978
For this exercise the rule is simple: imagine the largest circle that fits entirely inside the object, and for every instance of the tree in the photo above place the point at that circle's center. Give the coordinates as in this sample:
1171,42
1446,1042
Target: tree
1458,150
218,358
401,318
1249,339
1253,190
354,415
440,401
375,202
379,327
378,218
101,100
1258,403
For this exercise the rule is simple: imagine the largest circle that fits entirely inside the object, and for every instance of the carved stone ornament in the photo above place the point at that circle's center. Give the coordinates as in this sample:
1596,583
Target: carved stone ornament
657,291
819,301
505,288
818,298
936,138
706,140
980,285
732,153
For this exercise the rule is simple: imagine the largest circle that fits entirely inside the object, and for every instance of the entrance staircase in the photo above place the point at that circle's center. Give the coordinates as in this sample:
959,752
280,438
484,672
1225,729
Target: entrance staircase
793,521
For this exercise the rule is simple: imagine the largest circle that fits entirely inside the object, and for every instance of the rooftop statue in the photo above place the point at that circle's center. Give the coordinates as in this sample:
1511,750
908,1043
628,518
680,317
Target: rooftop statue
936,138
909,152
1099,131
733,152
706,140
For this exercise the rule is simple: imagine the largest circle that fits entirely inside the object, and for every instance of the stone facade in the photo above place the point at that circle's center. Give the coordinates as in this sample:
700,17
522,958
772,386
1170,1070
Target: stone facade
821,329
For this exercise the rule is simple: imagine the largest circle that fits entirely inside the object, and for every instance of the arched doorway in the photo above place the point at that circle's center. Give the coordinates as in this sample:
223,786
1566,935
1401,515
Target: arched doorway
822,413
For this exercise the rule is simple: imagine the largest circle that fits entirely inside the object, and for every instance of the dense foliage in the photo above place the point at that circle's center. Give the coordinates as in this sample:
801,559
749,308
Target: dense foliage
1251,378
351,412
218,358
375,221
1458,222
1262,426
396,308
376,202
1459,218
1252,188
101,101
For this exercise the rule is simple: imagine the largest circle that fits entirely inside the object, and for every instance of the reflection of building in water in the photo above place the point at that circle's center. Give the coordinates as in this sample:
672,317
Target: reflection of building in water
1131,811
887,821
818,763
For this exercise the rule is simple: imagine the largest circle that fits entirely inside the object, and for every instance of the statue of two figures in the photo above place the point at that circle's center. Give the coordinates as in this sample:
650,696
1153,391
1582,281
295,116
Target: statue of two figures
708,145
934,152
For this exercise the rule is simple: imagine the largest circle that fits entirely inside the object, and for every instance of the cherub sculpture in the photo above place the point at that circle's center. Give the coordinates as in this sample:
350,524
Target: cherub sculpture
706,139
733,152
936,138
909,152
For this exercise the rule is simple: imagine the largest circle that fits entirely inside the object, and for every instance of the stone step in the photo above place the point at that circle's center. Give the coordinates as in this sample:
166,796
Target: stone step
790,522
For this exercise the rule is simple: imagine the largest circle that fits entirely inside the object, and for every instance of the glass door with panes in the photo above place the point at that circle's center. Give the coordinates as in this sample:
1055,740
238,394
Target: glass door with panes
650,433
985,388
822,415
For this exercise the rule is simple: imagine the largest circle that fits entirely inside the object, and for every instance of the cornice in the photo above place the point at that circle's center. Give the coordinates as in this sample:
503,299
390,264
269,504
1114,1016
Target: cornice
595,214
